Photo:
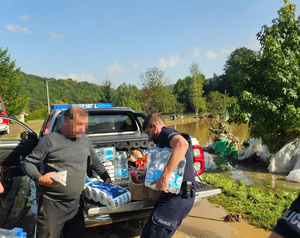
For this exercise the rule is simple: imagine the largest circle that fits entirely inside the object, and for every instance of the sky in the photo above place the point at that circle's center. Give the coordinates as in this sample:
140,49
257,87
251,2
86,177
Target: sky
118,40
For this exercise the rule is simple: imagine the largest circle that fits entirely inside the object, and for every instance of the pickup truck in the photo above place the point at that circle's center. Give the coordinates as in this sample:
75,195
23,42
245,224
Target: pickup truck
118,127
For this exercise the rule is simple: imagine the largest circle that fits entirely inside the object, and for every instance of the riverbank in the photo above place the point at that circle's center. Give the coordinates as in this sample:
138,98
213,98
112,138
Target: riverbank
173,120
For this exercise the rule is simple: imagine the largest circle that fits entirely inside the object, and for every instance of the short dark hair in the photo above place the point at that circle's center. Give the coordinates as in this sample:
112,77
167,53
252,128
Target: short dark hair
70,112
153,118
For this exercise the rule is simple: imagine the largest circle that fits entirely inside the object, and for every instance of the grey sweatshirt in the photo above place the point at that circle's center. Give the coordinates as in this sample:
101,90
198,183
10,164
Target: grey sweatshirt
59,153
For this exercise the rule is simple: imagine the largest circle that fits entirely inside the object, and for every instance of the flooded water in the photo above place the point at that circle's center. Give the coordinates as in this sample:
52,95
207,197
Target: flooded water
209,217
200,130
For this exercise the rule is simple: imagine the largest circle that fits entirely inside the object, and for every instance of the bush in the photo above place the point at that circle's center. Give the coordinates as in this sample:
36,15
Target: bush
37,114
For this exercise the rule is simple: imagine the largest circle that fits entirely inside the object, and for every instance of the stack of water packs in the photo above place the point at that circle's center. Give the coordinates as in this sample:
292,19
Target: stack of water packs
115,162
110,195
106,156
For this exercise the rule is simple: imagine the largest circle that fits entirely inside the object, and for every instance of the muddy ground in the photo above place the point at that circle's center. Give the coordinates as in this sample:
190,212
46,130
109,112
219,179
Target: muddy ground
204,221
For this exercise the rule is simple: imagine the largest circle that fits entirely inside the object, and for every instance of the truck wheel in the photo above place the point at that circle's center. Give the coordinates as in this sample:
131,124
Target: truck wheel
139,223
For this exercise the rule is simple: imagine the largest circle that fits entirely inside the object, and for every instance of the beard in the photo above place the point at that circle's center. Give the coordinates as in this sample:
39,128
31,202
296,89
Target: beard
155,138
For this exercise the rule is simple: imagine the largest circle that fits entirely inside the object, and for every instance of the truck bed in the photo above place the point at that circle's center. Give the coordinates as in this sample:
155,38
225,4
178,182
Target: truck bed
97,214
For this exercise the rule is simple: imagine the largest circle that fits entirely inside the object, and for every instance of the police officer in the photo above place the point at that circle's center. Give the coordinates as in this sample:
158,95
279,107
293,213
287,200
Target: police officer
170,208
289,224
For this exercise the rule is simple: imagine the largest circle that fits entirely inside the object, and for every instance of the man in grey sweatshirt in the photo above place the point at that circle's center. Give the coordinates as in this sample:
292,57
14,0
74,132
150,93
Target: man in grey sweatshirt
60,207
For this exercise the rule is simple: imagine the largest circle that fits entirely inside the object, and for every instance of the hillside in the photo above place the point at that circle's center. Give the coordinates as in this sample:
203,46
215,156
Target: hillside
60,91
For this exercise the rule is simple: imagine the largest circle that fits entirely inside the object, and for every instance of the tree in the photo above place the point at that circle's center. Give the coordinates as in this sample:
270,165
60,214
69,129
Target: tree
220,83
270,83
107,93
217,103
163,100
196,89
128,96
157,96
10,86
237,68
181,91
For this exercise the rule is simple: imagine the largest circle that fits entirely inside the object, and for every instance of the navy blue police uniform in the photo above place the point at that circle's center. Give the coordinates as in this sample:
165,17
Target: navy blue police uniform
289,224
170,209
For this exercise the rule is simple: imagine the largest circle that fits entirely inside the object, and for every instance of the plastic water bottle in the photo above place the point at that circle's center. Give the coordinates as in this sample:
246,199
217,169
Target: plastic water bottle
5,233
152,165
180,167
117,167
105,153
176,177
123,165
14,233
22,235
163,158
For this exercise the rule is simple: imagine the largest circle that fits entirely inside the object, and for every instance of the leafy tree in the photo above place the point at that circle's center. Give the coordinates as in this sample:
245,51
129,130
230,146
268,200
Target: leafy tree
217,103
220,83
157,96
128,96
270,84
163,100
181,91
107,92
196,89
37,114
236,67
10,86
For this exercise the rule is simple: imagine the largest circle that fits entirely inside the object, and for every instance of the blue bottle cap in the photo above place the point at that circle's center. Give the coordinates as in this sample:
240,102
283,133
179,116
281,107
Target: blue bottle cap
87,180
22,234
18,229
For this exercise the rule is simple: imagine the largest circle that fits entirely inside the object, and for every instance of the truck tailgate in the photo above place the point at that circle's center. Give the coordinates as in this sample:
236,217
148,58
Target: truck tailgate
97,214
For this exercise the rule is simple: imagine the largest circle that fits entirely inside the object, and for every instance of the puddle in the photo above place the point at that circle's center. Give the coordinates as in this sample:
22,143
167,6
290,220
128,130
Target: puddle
206,221
264,180
248,174
237,174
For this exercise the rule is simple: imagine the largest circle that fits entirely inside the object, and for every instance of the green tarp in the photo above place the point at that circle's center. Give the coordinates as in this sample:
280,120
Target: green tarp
224,148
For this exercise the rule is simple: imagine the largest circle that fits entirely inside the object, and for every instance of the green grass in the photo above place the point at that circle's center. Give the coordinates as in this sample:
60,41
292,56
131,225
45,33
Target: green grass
260,207
34,121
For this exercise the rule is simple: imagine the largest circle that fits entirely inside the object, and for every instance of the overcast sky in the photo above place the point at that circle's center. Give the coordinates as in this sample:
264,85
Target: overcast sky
94,40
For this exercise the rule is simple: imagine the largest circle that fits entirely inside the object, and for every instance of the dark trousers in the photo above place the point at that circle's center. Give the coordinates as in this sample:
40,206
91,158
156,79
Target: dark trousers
167,215
57,218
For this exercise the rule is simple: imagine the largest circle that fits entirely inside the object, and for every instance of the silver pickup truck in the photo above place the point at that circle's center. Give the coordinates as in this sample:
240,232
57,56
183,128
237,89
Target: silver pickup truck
117,127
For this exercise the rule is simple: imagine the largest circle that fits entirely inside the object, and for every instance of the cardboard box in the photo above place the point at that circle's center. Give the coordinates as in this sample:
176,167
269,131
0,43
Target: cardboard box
140,192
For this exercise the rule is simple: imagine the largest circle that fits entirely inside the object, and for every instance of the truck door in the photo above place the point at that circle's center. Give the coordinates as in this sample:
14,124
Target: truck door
15,146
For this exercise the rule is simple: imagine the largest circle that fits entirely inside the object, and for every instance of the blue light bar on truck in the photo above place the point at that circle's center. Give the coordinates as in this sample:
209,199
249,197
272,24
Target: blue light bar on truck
66,106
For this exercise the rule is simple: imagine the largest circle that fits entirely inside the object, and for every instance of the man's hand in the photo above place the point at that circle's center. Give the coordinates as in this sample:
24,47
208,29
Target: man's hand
161,184
107,181
1,186
47,181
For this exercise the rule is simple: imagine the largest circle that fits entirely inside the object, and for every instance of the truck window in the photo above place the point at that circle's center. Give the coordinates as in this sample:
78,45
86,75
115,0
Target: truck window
110,123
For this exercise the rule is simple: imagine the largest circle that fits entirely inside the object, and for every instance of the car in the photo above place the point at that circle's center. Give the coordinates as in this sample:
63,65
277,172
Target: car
119,128
4,127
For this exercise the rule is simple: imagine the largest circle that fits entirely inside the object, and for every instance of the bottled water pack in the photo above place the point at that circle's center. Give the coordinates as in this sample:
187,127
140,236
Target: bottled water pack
121,165
111,195
156,162
16,232
105,153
